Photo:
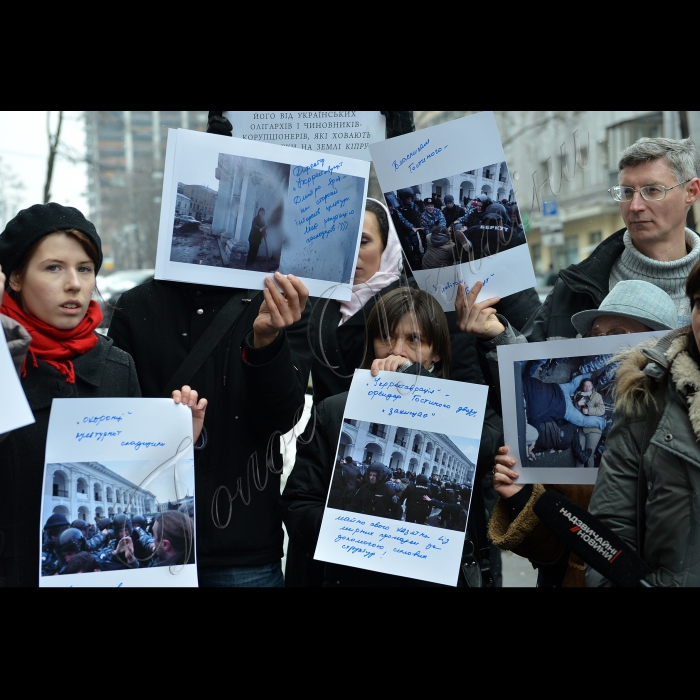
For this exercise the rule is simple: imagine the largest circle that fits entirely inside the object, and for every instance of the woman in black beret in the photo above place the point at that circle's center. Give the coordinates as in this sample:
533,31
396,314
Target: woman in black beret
50,255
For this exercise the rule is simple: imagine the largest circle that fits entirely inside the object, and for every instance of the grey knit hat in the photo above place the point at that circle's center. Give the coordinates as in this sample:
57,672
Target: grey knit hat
641,301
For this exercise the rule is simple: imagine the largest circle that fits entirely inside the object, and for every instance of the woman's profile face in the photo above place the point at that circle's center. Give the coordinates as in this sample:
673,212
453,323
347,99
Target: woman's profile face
58,283
407,340
371,249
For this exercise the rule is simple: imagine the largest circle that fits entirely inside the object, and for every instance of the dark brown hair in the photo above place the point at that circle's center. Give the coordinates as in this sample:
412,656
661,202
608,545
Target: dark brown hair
390,309
382,220
692,288
176,527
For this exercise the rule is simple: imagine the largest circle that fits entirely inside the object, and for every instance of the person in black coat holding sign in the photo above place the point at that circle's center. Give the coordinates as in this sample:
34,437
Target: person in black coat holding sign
418,343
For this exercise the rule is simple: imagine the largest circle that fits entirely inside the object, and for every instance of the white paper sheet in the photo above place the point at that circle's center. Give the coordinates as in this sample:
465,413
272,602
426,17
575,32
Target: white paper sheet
14,409
445,414
452,156
138,449
589,358
343,133
314,208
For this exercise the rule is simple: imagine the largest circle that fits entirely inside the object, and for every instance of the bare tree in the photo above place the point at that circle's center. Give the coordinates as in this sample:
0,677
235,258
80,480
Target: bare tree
54,140
10,198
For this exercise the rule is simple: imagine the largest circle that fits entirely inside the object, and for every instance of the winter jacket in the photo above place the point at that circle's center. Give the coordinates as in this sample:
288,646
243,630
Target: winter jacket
103,371
579,287
252,400
660,380
18,340
439,255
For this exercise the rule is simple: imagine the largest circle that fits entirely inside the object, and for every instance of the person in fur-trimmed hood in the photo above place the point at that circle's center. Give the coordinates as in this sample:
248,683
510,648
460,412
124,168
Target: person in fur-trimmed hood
633,306
652,455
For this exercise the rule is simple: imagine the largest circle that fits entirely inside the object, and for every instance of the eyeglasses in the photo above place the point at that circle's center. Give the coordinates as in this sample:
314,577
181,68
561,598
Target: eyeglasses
651,193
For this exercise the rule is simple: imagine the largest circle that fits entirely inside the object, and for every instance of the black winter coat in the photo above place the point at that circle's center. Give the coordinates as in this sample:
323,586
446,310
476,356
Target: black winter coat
579,287
249,400
304,499
103,371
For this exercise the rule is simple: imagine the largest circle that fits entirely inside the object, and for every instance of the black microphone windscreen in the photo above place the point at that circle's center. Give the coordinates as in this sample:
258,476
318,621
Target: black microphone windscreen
593,541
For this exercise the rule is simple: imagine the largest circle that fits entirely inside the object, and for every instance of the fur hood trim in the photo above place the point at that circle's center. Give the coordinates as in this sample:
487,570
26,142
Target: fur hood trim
636,376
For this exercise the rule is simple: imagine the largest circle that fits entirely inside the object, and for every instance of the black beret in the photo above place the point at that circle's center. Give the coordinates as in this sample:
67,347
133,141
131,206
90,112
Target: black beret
32,224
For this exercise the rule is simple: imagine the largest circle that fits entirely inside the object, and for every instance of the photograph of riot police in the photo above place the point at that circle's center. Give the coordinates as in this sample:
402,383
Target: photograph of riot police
434,488
458,218
96,519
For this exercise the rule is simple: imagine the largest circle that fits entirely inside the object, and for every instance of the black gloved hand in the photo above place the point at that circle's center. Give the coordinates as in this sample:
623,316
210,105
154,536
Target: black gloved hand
398,123
218,124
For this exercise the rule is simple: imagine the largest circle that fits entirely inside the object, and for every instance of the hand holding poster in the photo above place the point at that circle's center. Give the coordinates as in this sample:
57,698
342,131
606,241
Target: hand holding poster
558,405
267,209
14,409
394,424
119,458
453,203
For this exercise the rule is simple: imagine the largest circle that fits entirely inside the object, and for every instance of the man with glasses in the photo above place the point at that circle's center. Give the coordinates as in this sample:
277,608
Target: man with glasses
658,183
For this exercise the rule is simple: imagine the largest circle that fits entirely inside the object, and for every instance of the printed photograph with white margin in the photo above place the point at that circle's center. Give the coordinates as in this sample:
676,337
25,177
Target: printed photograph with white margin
407,423
463,158
118,458
557,400
267,208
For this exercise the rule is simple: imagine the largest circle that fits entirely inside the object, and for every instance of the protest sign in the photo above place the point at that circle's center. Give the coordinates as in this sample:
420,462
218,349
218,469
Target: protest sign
558,405
422,425
106,457
262,208
485,241
343,133
14,409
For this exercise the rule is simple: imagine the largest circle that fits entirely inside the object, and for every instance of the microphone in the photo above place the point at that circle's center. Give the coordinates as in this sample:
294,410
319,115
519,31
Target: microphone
591,540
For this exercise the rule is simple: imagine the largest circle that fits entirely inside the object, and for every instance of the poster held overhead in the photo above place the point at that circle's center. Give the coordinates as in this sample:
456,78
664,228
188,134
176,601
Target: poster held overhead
259,208
453,202
392,424
342,132
558,405
119,458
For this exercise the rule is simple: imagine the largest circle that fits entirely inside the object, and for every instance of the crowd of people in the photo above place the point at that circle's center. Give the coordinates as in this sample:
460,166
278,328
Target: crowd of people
123,542
251,355
435,234
372,488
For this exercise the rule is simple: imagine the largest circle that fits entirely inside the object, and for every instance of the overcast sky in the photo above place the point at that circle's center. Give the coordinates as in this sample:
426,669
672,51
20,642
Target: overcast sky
24,149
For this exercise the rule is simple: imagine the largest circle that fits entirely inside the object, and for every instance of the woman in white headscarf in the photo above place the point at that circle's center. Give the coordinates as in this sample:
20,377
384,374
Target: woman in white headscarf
337,328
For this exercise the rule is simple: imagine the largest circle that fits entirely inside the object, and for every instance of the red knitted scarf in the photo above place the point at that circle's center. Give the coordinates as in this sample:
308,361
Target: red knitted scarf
56,347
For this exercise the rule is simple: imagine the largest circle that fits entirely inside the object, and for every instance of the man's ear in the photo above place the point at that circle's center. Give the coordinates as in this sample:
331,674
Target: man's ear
692,192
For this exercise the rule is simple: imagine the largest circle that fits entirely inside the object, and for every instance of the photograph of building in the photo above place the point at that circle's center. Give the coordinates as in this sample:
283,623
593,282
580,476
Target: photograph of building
86,490
410,449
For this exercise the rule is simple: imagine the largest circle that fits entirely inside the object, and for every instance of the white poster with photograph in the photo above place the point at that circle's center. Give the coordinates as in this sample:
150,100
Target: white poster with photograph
413,424
483,241
341,132
235,211
558,405
114,456
14,409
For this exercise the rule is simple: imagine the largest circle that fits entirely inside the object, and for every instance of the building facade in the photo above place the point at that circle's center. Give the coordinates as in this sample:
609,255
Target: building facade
492,180
410,449
182,205
126,153
86,490
202,201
